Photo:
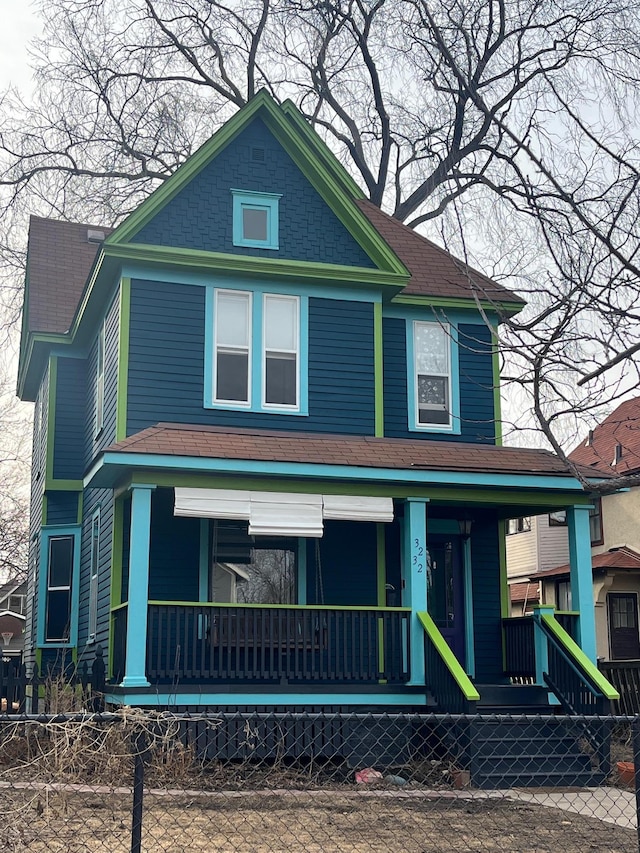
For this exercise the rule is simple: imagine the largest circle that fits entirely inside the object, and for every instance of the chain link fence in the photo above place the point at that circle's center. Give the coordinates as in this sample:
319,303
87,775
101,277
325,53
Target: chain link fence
261,782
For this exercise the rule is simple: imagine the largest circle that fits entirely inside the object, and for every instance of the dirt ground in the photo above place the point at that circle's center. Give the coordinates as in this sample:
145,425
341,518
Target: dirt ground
304,822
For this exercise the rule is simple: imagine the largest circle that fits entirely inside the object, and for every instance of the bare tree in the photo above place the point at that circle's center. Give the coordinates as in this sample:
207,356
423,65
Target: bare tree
509,122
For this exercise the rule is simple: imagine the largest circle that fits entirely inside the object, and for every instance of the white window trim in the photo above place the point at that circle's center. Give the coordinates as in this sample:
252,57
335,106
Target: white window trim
447,329
220,401
280,407
94,572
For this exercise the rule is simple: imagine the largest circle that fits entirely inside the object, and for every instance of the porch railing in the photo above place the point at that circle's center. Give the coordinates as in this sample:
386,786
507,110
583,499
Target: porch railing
519,644
201,643
450,685
624,675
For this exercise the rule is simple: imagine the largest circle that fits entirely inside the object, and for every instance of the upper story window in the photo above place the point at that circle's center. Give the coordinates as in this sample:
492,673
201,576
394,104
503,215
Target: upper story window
100,381
518,525
595,523
255,219
558,519
433,377
258,354
16,603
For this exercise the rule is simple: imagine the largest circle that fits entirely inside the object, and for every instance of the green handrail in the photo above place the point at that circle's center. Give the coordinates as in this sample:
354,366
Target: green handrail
448,658
578,657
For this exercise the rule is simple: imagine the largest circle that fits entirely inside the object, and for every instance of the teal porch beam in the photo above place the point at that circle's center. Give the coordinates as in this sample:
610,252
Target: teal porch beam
581,576
136,662
414,581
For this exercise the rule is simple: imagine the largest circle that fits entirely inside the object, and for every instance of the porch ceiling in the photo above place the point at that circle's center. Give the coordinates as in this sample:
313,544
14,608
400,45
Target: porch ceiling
214,450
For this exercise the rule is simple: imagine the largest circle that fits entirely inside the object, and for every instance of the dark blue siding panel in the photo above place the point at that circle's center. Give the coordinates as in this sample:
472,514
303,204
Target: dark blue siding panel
62,508
485,561
94,498
476,384
200,216
343,564
69,419
174,552
166,364
95,443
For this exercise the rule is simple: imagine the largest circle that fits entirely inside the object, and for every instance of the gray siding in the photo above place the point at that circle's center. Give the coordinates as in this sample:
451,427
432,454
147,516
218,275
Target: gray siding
94,444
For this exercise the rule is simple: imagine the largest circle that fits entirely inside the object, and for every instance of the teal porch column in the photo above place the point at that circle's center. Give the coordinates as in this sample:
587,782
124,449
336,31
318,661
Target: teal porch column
136,663
414,580
582,578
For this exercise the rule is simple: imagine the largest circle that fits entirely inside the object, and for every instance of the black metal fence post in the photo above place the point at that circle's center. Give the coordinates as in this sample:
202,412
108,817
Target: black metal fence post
139,743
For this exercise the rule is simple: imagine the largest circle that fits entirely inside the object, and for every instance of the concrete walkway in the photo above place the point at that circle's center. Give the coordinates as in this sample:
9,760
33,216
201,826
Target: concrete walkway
611,805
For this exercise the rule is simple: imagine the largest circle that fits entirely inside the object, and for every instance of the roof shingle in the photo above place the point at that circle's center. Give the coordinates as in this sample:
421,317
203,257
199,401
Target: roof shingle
622,427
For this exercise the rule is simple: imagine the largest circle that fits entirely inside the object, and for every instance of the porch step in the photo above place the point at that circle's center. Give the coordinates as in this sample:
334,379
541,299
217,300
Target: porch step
511,698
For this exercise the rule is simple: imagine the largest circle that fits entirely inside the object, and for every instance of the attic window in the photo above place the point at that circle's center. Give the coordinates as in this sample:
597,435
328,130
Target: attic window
258,155
94,236
255,219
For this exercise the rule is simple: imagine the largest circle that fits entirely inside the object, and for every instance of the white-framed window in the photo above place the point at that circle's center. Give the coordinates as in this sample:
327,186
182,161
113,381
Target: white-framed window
518,525
100,380
255,219
281,351
432,375
93,582
232,361
563,595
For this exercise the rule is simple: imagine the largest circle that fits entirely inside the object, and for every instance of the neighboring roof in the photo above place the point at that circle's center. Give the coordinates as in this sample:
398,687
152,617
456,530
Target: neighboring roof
434,271
622,427
60,258
524,592
11,588
614,558
271,446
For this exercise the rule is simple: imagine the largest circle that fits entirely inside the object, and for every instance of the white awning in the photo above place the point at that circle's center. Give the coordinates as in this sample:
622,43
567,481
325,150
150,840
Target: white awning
281,514
213,503
356,508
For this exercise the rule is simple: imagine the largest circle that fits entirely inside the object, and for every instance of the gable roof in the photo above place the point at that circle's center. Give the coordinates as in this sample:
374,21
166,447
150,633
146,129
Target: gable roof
434,271
614,558
60,258
622,427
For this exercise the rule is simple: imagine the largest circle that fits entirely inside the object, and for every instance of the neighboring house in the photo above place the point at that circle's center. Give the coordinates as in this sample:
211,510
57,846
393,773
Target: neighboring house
12,619
538,549
264,410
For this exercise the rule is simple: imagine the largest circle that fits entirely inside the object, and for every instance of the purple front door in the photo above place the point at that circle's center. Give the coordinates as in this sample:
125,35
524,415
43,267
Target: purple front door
445,595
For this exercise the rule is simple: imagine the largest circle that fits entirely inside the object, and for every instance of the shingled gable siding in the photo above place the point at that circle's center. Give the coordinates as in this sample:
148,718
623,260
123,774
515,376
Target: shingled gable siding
69,419
200,216
476,384
485,560
107,436
94,498
166,364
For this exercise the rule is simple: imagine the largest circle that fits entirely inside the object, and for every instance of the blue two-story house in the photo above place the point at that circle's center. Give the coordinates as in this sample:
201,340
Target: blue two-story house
267,466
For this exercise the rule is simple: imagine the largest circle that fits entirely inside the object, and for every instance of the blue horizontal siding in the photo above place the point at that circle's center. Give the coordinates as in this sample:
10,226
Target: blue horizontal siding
62,508
485,561
95,443
201,215
343,565
94,499
174,551
166,365
476,384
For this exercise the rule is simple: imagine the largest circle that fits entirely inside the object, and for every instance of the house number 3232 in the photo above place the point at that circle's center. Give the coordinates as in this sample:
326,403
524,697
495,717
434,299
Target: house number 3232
418,556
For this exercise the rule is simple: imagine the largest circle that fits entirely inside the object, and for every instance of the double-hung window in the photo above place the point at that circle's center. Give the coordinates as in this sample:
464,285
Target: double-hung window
258,357
59,563
432,397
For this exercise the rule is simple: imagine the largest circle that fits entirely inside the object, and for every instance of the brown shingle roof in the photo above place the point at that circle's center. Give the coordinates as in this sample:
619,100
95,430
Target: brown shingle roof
270,446
520,592
434,271
621,427
59,262
615,558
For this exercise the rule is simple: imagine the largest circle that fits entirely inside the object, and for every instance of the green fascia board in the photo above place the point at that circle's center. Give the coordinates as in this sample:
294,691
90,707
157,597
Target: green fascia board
313,167
574,651
448,658
501,307
248,265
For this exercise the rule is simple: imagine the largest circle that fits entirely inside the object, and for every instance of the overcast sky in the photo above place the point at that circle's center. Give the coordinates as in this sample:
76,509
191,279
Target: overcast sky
19,25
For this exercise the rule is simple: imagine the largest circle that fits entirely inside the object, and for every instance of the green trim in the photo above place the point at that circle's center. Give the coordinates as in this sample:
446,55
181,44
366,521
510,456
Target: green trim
314,168
505,600
497,403
51,420
505,307
448,658
578,656
358,607
321,149
257,266
45,508
378,369
64,485
500,497
123,359
115,591
381,564
126,604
